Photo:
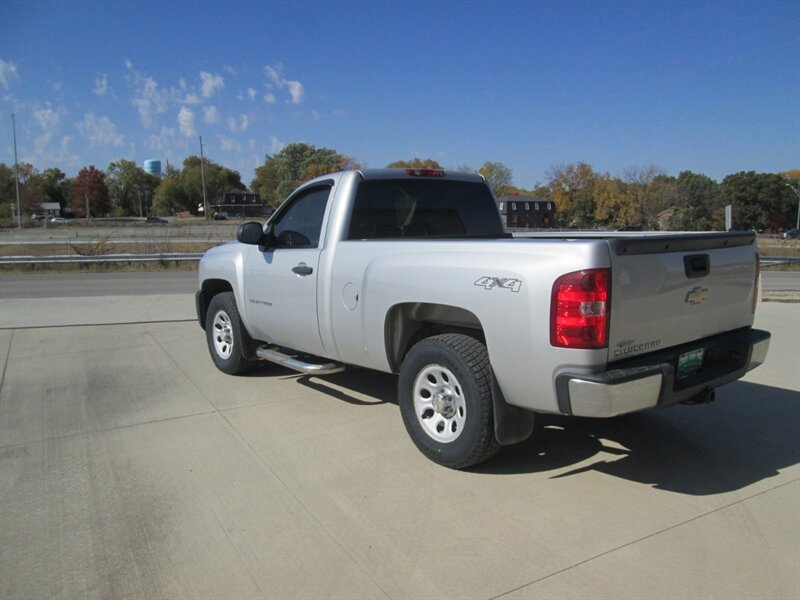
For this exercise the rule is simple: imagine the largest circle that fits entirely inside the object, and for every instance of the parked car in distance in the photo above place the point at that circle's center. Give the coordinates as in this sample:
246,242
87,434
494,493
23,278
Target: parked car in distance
792,234
58,220
149,220
220,216
36,217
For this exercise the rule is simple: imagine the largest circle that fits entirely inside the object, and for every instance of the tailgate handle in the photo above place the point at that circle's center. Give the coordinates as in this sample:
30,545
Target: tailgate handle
697,265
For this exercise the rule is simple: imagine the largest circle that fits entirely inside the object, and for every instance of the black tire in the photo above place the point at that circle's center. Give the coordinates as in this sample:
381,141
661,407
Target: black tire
445,397
226,336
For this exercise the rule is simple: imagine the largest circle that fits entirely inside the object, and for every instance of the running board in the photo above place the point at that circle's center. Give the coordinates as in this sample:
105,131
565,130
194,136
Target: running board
291,362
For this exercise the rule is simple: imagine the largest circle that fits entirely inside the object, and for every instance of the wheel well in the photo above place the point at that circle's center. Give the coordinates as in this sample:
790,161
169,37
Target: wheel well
408,323
210,288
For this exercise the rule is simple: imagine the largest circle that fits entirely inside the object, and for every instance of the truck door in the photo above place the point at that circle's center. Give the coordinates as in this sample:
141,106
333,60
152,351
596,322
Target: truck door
281,281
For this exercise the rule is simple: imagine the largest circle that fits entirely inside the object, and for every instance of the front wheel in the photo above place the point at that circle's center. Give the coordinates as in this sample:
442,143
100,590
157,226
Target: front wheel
445,397
226,335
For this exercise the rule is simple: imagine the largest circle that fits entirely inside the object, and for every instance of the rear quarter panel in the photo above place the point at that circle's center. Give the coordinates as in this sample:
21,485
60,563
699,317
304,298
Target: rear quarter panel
516,323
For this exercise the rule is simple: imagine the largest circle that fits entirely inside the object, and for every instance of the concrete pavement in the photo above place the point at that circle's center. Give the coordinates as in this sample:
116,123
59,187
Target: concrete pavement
130,467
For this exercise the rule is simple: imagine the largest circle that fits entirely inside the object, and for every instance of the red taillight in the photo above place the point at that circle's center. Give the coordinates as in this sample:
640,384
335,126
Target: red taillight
579,309
425,172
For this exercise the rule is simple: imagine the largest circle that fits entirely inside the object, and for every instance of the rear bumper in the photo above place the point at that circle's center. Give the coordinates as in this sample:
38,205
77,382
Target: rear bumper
650,381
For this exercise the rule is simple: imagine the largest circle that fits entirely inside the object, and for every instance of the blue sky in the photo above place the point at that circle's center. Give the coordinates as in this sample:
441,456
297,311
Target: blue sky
712,87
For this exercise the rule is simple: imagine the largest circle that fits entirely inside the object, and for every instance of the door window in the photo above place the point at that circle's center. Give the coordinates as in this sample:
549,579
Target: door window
300,225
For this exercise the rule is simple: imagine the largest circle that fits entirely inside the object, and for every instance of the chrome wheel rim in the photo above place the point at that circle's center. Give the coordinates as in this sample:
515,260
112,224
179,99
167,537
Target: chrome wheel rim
223,334
439,403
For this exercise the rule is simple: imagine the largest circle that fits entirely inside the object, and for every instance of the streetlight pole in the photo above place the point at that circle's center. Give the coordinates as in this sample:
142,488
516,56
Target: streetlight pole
796,191
203,177
16,169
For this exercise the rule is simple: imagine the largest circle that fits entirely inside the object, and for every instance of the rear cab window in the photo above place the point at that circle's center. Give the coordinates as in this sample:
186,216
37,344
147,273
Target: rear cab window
423,208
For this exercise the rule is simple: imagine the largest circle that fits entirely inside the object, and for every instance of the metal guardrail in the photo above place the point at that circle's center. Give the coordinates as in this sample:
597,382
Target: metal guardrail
103,258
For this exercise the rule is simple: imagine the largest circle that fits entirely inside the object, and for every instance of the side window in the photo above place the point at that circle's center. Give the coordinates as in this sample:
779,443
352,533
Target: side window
300,225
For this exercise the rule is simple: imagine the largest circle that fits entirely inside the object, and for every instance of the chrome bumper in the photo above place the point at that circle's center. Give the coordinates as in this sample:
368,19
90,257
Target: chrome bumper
650,381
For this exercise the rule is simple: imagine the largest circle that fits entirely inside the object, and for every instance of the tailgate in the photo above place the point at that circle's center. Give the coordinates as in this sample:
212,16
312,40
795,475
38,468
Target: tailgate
672,290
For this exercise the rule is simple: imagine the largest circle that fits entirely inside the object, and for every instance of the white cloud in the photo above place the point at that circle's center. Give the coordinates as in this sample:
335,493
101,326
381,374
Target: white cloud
229,70
101,87
276,145
211,83
316,115
8,72
269,98
295,88
149,100
48,119
239,125
160,141
186,121
228,144
252,93
210,114
99,130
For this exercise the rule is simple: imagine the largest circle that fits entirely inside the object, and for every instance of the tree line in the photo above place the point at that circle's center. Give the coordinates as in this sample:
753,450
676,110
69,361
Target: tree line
641,198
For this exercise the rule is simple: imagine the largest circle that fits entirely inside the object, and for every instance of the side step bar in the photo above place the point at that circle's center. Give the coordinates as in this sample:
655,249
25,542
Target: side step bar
295,364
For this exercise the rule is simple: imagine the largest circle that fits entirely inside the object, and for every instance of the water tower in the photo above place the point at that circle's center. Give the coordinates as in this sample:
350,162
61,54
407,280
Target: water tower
153,167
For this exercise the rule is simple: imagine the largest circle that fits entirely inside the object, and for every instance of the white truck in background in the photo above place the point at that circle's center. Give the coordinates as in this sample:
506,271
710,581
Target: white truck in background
411,272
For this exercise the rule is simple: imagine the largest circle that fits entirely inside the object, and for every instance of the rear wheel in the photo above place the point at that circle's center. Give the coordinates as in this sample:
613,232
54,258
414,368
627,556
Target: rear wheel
445,397
226,335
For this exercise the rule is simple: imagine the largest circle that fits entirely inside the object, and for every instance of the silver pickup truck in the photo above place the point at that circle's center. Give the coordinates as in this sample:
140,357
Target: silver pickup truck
411,272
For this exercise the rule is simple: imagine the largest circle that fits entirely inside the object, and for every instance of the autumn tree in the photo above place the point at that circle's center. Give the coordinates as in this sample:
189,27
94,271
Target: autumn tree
698,204
293,165
415,163
497,176
762,201
615,204
218,180
170,198
571,187
130,187
89,190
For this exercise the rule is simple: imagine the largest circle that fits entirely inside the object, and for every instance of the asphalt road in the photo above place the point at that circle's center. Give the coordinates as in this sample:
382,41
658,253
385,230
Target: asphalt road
69,285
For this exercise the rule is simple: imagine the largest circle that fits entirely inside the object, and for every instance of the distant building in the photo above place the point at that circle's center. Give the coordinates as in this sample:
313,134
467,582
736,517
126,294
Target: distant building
49,209
153,167
526,212
239,203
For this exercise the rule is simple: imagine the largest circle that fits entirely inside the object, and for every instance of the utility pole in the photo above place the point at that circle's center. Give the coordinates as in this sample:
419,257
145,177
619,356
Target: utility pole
203,177
796,191
16,169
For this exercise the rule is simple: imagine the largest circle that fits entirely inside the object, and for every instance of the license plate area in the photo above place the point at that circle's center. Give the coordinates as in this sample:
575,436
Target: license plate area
690,363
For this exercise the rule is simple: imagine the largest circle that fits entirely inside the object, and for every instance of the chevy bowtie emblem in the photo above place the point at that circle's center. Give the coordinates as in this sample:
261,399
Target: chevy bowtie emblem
697,295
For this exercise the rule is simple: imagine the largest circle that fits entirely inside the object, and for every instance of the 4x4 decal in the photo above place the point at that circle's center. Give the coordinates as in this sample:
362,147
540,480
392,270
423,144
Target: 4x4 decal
499,282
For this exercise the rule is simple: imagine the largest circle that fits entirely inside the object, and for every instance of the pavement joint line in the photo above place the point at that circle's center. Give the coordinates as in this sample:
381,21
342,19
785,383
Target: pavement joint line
645,537
96,324
106,429
5,364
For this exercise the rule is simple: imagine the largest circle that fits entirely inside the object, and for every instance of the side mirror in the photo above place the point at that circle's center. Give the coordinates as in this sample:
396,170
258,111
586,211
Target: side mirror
251,233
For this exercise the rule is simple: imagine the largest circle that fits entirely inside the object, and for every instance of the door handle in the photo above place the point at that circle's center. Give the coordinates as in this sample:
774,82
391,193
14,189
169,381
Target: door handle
303,269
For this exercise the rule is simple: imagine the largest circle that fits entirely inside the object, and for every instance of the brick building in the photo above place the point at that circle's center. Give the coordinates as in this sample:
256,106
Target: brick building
526,212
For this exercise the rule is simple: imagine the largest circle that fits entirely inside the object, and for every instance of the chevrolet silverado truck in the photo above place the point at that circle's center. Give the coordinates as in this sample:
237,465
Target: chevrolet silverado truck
411,272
